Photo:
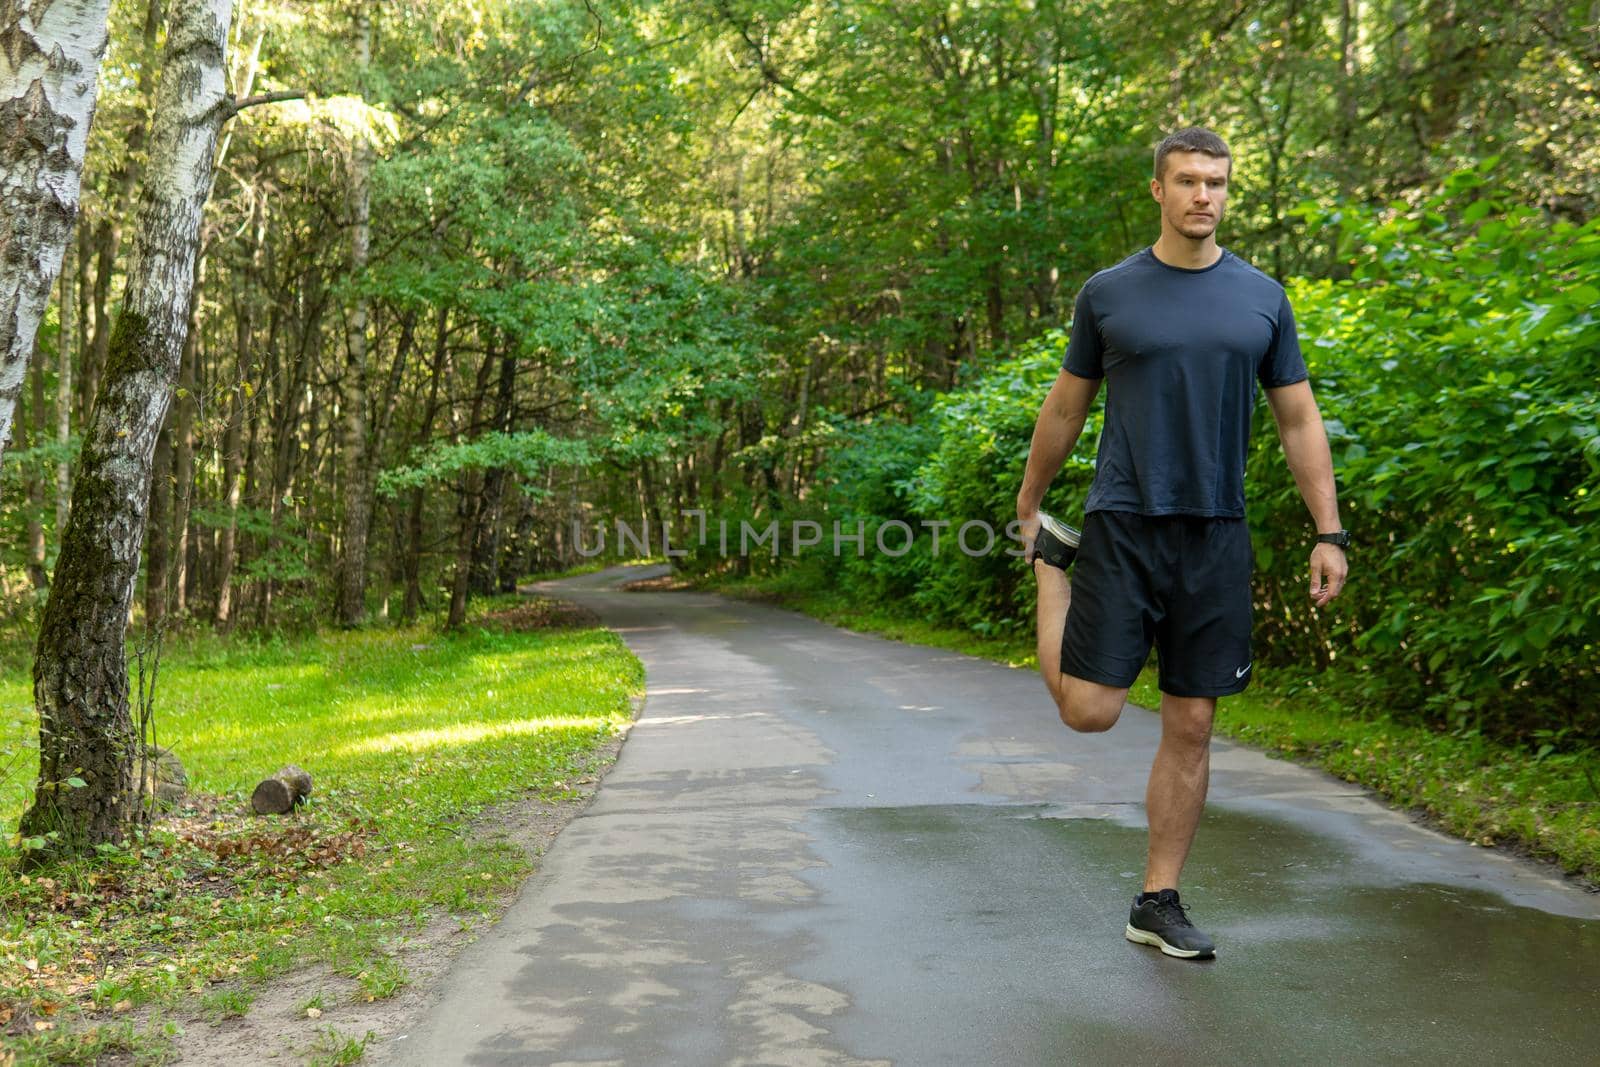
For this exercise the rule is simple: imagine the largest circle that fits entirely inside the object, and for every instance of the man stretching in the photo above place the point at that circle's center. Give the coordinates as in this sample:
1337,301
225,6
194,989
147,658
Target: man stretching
1181,332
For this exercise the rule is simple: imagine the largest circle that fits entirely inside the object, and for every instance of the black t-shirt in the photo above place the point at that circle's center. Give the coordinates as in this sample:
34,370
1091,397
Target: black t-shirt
1181,352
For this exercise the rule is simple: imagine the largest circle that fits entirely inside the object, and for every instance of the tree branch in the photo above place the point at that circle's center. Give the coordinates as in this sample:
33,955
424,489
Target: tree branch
236,106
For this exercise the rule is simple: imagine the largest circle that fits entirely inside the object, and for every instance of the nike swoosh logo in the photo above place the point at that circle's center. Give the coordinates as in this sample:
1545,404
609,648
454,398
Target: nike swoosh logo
1242,671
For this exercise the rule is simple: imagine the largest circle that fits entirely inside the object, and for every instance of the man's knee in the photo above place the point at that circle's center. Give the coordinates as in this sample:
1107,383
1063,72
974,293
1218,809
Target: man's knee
1186,721
1087,720
1087,707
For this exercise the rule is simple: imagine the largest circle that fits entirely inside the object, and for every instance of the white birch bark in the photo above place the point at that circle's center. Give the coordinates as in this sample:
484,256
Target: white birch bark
80,673
49,75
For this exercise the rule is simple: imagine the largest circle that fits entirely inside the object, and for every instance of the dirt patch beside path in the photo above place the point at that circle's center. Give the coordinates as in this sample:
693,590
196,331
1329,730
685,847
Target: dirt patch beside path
665,583
541,613
279,1028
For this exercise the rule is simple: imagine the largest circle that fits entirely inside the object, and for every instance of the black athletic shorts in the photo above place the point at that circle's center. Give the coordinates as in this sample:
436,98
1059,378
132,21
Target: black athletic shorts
1179,582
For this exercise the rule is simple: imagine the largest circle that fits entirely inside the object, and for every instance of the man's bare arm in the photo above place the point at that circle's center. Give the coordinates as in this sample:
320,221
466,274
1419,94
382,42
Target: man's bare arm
1305,447
1055,433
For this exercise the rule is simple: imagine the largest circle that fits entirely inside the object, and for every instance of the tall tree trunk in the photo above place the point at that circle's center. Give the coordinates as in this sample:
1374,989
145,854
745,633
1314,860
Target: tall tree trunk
387,403
486,542
158,528
71,318
471,512
80,672
183,555
36,554
519,553
414,524
357,505
471,507
48,80
287,415
233,462
108,234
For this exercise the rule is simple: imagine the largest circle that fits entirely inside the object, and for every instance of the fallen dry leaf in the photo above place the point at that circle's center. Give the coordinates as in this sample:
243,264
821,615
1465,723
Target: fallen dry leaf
313,1013
121,1006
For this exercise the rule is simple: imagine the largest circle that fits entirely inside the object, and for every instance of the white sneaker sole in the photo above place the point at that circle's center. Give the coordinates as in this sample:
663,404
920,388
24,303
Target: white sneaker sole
1060,530
1145,937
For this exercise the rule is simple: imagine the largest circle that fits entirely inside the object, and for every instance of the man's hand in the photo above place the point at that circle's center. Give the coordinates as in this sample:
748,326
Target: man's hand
1030,532
1060,421
1328,570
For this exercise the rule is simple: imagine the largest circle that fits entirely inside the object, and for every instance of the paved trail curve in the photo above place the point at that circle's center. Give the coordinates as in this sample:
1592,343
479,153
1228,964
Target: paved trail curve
820,848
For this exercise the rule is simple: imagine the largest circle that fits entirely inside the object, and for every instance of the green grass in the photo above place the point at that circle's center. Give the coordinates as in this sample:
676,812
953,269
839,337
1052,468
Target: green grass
227,1004
333,1049
408,734
1538,801
382,980
96,1043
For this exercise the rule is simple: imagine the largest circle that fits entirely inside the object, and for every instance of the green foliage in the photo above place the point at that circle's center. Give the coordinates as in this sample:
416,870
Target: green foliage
414,733
670,348
1457,369
960,462
527,453
288,554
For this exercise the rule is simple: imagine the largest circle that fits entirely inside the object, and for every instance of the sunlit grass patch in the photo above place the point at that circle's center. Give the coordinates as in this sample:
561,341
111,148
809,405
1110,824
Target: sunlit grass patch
408,734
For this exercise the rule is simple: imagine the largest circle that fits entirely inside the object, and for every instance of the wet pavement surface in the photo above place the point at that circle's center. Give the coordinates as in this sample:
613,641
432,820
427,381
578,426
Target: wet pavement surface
824,848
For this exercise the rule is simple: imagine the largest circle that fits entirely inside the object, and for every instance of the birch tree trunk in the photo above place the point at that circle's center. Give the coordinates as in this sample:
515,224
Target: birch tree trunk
49,74
124,185
357,499
80,675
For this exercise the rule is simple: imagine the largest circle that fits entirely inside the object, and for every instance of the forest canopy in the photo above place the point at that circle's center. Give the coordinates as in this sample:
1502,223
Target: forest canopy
472,275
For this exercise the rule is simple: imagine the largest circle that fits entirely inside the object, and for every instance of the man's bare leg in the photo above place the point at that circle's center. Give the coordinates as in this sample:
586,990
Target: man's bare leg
1085,706
1055,599
1176,794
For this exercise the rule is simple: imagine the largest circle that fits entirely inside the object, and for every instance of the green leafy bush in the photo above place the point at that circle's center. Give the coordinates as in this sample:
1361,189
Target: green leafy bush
960,463
1457,369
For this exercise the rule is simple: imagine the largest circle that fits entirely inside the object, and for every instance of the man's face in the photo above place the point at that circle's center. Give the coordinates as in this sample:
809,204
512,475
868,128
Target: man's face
1192,193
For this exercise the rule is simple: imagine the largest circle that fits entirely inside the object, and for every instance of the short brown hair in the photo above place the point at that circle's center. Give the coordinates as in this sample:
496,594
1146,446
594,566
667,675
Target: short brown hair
1191,139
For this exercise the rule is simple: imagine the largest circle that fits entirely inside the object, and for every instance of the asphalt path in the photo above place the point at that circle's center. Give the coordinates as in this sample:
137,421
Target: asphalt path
824,848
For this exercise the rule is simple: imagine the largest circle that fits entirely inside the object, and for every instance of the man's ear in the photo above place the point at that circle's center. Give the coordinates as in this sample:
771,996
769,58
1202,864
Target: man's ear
1155,190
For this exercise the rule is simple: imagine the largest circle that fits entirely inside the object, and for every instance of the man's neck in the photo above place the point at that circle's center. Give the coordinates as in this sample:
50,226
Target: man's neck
1176,250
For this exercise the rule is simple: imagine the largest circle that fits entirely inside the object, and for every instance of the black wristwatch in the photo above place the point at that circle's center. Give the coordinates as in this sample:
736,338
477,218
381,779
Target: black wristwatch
1340,538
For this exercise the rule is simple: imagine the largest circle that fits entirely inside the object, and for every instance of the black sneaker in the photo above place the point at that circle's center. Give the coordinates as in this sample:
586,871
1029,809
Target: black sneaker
1160,921
1057,543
